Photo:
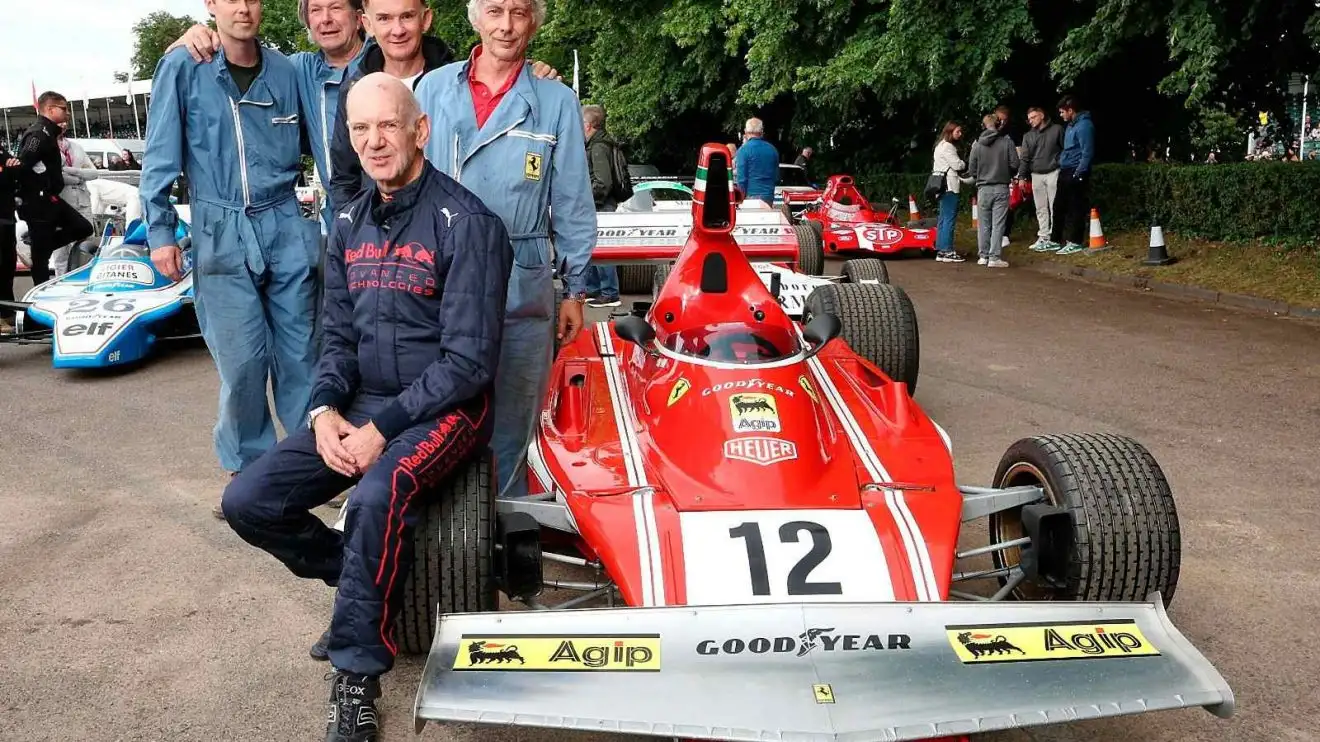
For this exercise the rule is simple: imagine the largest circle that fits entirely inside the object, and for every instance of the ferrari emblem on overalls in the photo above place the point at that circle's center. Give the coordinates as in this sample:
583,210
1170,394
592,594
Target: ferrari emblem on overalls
532,169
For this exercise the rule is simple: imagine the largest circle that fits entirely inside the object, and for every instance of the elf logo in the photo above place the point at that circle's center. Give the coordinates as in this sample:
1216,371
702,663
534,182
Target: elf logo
93,329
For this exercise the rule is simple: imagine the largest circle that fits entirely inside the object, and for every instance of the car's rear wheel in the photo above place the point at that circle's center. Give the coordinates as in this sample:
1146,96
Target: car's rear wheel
635,279
787,211
453,568
879,324
811,251
1126,542
865,270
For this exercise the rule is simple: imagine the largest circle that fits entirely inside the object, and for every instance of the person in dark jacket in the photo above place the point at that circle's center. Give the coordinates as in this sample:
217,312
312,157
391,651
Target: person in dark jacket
416,285
400,47
602,280
993,165
1041,148
10,167
52,223
1074,199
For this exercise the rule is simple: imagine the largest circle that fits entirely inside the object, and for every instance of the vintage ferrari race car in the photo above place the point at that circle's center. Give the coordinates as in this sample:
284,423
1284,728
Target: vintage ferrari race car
113,310
773,523
846,223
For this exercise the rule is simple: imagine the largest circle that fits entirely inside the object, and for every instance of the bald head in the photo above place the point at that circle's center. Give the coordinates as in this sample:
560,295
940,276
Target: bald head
388,130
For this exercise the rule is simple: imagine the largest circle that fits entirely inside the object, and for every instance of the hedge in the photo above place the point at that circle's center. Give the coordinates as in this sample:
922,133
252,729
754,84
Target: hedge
1279,200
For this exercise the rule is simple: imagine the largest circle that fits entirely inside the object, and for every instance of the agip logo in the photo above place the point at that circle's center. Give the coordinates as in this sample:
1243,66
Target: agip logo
754,412
1034,642
577,653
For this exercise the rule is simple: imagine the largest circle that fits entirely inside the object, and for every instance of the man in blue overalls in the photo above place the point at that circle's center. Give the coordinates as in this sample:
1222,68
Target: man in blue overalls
517,142
232,127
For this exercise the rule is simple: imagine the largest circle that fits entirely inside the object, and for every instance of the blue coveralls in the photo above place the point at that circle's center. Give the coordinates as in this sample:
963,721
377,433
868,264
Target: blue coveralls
756,166
528,159
318,95
255,257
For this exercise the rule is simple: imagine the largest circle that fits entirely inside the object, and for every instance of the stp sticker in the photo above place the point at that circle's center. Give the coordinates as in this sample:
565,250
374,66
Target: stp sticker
991,643
760,450
574,653
754,412
882,235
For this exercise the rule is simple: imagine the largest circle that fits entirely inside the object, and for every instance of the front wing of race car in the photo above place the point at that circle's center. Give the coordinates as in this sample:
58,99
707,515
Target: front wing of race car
854,671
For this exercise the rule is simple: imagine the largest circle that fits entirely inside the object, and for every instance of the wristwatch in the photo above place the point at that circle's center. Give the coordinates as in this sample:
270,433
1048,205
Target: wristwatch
580,297
311,416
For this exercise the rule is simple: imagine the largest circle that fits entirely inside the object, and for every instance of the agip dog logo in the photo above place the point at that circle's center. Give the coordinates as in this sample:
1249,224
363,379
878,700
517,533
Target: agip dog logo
1036,642
754,413
575,653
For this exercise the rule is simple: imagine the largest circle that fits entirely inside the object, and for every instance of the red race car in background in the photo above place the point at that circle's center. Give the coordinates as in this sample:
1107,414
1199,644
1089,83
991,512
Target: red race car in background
847,222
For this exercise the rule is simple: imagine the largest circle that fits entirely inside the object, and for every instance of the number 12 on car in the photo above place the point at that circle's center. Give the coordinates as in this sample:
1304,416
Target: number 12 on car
770,556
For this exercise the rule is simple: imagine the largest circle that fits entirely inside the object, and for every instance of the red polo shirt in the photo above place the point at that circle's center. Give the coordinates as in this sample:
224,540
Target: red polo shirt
484,101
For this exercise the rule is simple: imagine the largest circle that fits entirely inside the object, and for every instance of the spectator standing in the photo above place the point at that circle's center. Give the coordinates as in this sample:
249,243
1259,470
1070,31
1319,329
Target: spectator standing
992,164
804,161
78,169
51,221
10,168
1009,129
602,280
757,164
1041,148
1074,196
947,161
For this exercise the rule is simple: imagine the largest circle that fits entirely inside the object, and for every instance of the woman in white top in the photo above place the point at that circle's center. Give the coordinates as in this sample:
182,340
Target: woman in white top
950,164
78,169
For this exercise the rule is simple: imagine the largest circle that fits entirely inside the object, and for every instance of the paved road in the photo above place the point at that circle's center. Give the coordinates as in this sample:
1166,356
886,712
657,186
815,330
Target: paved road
128,613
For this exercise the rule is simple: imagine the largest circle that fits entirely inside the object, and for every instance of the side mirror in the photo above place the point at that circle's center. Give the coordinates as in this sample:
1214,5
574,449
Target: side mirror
635,330
820,330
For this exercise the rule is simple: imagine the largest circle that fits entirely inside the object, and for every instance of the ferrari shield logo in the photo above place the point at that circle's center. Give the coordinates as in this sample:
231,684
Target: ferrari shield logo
754,413
532,166
823,693
681,387
806,387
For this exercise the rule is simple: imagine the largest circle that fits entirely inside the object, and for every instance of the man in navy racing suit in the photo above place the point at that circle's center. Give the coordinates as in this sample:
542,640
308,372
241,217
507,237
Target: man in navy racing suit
416,283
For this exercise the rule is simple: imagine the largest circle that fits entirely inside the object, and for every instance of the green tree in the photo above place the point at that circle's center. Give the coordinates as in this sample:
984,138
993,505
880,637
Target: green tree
153,35
281,29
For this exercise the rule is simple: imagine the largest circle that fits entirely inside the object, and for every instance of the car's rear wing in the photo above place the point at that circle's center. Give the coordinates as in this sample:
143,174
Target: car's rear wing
658,236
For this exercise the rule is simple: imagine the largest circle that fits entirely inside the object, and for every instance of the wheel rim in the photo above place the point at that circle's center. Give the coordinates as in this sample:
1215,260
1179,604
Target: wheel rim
1007,525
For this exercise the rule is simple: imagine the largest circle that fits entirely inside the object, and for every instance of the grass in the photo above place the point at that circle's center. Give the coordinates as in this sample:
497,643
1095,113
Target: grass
1289,274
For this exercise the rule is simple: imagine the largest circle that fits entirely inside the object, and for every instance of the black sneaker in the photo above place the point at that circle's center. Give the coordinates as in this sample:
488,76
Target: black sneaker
604,301
353,715
320,651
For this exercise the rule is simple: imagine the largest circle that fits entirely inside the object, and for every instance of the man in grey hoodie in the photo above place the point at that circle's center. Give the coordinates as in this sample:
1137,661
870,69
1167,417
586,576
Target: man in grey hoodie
1040,157
993,165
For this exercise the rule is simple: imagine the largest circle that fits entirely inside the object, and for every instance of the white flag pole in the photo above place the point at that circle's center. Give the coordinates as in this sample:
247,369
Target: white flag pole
1306,88
576,90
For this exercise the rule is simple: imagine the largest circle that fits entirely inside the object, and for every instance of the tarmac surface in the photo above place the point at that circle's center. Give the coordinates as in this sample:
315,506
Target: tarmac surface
128,612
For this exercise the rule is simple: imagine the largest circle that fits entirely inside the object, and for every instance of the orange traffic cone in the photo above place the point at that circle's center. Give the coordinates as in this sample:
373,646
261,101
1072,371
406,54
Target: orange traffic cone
1097,234
913,212
975,213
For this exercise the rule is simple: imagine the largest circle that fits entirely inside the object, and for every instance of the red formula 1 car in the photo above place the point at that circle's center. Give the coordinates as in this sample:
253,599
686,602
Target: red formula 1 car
772,522
847,223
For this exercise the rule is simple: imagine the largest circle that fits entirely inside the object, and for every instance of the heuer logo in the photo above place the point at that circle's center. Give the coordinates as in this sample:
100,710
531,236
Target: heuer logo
824,639
760,450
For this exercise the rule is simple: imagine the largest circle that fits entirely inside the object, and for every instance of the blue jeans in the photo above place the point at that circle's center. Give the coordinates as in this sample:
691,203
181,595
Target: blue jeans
947,221
603,279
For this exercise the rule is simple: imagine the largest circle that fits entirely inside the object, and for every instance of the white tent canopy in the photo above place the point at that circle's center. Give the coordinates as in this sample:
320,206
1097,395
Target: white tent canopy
108,113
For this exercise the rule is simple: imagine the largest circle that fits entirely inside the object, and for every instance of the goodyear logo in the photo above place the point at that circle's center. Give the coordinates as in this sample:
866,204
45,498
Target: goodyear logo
754,412
532,166
562,653
1033,642
681,387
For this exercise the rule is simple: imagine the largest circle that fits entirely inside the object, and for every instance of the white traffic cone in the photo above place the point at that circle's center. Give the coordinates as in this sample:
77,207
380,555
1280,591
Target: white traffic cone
1158,254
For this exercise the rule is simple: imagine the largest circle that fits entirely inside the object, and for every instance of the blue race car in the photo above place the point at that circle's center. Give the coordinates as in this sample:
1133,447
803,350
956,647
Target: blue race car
112,311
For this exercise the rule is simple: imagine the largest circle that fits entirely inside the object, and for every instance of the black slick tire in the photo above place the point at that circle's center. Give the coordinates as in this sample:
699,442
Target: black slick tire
879,324
811,251
453,569
1127,540
635,279
862,270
